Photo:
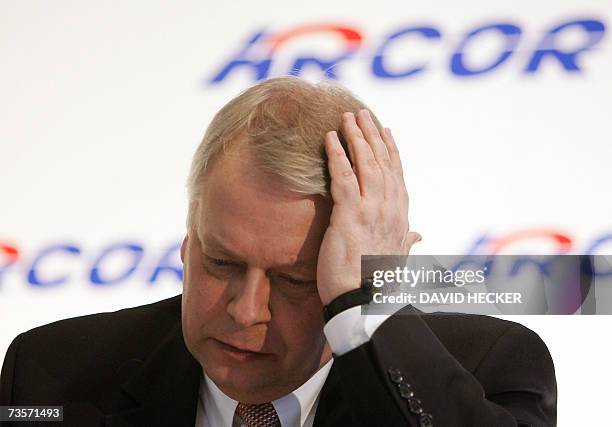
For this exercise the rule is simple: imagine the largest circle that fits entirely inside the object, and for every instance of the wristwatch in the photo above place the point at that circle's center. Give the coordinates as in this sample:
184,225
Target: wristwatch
359,296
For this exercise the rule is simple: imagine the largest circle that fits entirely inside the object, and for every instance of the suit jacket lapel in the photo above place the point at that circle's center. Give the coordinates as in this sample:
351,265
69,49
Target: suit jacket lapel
164,389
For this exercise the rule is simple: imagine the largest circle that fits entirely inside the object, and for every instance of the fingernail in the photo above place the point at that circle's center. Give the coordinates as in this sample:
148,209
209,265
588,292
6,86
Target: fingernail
367,114
388,132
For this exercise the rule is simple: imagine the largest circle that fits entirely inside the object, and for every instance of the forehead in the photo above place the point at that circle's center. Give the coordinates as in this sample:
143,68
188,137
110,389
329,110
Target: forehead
251,214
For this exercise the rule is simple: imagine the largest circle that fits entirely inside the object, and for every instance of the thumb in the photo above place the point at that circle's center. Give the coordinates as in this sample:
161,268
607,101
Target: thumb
411,238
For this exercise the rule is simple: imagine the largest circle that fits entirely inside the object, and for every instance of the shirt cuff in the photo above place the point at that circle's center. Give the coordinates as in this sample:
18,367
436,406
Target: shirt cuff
349,329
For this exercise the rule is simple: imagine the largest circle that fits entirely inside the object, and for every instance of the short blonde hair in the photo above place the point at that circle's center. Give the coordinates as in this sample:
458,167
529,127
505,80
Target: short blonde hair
285,120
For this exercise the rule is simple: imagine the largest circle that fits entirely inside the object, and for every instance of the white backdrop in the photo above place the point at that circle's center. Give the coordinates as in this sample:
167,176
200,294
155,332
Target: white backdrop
103,103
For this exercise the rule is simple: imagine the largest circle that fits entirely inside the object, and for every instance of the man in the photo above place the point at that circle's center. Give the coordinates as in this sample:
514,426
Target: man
287,190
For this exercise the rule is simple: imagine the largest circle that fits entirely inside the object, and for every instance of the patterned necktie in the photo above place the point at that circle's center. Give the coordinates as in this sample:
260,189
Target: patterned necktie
258,415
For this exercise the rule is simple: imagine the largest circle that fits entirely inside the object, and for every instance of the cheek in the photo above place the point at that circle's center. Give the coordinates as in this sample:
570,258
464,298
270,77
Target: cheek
300,323
201,287
202,300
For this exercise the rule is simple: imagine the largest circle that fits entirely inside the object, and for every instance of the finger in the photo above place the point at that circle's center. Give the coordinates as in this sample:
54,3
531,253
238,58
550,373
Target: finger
344,184
368,171
373,137
393,151
349,151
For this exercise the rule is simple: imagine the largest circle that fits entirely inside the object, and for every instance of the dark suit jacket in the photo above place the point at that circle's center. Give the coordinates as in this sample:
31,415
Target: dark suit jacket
131,368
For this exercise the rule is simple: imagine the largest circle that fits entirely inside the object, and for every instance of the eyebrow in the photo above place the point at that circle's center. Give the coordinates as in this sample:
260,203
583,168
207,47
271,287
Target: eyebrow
211,242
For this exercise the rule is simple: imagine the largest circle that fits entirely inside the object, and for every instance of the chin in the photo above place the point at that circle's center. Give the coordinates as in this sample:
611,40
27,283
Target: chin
245,387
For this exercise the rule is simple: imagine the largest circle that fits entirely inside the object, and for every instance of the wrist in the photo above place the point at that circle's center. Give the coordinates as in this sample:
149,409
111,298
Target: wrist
329,296
346,300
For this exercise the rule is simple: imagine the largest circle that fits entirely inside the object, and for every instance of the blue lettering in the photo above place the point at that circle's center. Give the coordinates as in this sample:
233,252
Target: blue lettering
378,66
547,47
167,263
595,246
327,66
261,68
512,35
33,278
543,267
137,252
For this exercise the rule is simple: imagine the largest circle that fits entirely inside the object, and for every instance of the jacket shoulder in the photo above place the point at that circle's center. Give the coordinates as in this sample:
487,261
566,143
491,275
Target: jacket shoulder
84,359
470,338
126,330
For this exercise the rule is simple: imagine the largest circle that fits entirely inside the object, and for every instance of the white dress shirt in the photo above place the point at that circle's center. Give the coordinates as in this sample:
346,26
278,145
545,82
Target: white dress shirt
297,409
344,332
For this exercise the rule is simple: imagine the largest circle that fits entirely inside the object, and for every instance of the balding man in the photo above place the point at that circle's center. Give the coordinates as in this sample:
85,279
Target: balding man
291,185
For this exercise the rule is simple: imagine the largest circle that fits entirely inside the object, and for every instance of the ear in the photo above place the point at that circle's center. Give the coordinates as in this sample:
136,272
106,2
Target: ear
184,248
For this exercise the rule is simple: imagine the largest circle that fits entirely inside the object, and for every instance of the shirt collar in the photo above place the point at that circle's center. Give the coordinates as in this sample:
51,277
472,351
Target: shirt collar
218,407
292,409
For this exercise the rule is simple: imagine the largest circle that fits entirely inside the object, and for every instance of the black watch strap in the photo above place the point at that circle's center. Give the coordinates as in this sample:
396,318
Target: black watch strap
345,301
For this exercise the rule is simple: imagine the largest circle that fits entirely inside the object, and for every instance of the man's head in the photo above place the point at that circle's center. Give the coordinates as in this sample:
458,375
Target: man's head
259,206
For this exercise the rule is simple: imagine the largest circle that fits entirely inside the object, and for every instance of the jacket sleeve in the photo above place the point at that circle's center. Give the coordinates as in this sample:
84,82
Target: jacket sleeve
405,376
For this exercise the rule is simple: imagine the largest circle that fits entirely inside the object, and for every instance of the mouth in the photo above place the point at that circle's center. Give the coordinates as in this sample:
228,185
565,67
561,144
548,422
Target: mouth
237,353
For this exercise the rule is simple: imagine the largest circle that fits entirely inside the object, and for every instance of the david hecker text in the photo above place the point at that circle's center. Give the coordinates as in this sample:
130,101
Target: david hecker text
449,298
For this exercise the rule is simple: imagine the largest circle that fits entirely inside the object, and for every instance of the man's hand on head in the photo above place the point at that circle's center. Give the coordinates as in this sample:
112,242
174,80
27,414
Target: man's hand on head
370,204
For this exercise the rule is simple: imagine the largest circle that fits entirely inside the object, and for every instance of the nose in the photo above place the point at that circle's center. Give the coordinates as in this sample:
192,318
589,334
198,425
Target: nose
250,299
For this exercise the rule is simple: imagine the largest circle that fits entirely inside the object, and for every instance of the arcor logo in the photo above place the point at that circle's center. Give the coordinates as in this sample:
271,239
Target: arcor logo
64,263
410,51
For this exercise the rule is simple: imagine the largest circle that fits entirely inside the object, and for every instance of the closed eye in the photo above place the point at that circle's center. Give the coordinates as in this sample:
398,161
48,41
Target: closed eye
219,262
295,281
